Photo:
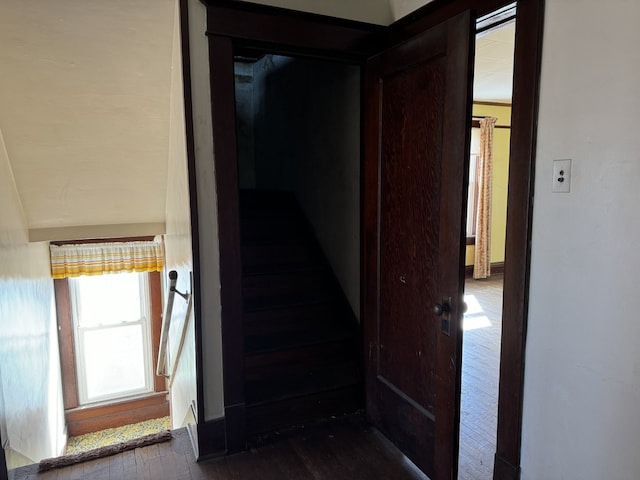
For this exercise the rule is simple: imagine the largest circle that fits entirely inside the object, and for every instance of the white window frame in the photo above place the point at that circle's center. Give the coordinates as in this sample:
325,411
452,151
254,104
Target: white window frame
78,331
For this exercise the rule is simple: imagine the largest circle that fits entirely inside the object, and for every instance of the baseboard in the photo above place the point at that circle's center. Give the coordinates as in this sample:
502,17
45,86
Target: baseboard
211,439
503,470
497,268
236,428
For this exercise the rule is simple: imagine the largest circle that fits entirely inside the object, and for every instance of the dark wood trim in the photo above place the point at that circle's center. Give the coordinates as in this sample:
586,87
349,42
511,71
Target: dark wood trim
211,438
193,205
66,343
475,123
492,104
102,240
497,268
234,25
504,15
280,30
226,173
92,419
524,121
155,311
529,21
4,475
471,240
524,115
236,426
503,470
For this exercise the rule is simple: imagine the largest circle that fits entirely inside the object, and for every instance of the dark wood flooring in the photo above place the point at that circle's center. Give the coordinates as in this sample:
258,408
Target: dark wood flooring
480,373
348,450
345,450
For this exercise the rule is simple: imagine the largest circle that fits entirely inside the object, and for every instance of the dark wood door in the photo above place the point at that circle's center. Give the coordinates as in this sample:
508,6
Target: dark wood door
417,124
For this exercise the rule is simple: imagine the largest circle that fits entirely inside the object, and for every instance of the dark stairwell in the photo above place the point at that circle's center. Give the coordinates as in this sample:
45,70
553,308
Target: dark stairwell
302,352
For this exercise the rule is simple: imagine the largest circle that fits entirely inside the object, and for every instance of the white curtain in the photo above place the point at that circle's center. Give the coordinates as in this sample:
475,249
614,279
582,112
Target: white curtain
482,260
73,260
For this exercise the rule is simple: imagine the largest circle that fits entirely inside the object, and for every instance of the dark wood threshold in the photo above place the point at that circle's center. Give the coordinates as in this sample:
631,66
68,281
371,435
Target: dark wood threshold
211,439
504,470
89,419
497,268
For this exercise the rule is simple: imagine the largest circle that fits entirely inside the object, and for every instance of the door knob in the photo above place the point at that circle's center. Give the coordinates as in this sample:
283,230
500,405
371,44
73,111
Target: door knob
444,307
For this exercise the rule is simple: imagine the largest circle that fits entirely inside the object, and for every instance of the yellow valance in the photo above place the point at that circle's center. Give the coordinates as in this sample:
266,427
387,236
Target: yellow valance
73,260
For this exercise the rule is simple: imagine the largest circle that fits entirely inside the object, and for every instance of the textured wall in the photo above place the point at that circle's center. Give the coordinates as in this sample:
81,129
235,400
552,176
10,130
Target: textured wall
178,248
582,377
31,411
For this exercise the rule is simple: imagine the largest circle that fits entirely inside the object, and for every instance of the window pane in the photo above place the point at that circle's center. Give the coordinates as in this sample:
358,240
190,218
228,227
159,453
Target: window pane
108,299
113,361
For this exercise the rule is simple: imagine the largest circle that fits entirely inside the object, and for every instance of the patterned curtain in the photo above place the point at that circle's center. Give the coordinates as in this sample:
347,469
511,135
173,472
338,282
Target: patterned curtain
482,261
73,260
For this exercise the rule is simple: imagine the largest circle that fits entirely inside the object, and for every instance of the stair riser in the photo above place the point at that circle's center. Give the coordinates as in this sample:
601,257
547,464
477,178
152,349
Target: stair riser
298,411
273,255
301,361
269,230
285,285
289,319
283,362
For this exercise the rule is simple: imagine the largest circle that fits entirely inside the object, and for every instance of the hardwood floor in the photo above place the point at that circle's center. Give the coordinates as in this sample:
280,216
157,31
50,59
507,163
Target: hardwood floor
345,450
480,374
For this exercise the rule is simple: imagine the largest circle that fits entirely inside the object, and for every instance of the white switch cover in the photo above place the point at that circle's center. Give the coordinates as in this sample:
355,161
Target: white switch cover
561,176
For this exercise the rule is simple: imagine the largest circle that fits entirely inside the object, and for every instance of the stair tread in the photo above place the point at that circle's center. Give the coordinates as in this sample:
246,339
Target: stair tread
301,357
299,384
286,301
267,269
257,344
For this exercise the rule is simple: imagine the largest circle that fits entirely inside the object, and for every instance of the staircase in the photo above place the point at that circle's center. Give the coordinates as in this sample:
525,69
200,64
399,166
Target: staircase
302,356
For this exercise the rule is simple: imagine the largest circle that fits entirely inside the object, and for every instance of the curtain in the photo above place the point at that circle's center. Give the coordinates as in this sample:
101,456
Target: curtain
73,260
482,261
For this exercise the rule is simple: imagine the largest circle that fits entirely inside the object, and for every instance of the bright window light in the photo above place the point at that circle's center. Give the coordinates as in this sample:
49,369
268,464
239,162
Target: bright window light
112,336
473,306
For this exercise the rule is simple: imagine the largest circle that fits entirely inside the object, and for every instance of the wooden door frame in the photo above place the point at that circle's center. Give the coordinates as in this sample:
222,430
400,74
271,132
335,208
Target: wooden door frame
279,30
524,122
230,25
445,48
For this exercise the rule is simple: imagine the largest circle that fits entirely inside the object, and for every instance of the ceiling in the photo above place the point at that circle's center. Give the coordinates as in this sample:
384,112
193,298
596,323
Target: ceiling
493,75
84,106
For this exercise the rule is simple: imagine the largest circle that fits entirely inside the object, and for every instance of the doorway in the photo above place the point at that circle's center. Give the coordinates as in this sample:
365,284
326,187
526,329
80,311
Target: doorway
297,127
519,198
482,323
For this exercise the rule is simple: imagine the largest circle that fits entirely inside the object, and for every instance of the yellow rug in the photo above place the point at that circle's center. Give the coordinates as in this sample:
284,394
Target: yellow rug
111,436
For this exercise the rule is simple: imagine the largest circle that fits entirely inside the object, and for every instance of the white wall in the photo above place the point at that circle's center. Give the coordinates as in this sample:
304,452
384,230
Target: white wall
178,249
400,8
582,378
370,11
207,213
31,409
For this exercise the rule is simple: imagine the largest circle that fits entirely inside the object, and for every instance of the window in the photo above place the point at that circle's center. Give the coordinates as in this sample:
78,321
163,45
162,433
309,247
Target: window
472,195
109,323
112,335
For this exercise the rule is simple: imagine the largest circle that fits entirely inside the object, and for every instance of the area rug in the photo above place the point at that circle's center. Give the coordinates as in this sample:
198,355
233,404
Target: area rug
101,452
110,436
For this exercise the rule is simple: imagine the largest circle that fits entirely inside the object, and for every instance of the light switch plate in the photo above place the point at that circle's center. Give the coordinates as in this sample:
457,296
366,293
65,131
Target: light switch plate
561,176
